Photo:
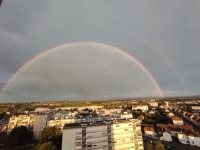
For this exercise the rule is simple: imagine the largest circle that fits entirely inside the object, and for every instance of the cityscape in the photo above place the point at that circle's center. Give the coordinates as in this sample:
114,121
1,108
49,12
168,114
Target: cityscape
135,124
99,75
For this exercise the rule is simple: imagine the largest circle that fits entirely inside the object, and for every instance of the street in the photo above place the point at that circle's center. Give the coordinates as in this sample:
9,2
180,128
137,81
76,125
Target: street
175,142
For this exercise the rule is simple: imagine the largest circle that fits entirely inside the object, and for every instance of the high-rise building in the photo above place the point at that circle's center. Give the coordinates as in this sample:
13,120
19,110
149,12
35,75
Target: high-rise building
109,135
40,124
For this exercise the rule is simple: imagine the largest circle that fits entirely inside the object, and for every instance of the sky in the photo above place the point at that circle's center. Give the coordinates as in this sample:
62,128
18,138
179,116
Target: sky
162,35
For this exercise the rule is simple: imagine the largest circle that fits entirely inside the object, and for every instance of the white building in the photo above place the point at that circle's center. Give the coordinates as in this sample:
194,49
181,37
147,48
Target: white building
194,139
166,137
153,104
142,107
21,120
42,109
39,125
120,134
126,115
183,138
195,107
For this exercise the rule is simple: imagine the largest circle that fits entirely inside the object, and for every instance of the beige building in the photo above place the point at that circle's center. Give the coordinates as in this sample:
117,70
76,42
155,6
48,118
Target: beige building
142,107
153,104
110,135
39,125
149,131
21,120
177,120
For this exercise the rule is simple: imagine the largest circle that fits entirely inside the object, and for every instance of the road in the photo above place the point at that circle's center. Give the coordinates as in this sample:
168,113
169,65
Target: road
175,142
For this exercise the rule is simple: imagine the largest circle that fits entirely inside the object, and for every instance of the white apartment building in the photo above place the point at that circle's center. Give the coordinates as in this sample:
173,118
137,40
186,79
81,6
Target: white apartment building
21,120
153,104
61,122
142,107
39,125
111,135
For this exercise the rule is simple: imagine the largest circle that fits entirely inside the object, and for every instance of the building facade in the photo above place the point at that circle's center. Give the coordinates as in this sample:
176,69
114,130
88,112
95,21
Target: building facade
110,135
39,125
21,120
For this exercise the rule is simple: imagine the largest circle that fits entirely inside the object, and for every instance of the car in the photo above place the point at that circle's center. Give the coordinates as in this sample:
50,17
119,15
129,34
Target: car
151,142
167,146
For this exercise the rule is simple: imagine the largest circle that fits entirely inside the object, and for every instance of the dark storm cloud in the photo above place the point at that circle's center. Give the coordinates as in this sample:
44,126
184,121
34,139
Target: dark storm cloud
148,30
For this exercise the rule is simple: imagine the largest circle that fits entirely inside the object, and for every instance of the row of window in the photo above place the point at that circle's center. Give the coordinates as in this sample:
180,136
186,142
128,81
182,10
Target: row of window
128,125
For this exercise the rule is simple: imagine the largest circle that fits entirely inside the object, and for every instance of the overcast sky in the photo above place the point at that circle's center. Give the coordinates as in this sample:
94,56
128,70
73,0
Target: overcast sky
162,35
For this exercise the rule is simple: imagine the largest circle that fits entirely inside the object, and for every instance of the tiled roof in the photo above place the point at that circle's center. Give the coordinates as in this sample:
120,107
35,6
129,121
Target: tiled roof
174,127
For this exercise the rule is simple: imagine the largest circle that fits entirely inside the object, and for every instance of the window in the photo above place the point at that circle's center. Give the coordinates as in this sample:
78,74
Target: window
125,129
131,139
130,124
114,141
117,125
89,145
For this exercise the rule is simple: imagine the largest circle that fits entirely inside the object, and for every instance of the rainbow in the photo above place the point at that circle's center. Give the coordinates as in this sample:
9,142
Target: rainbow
101,44
171,67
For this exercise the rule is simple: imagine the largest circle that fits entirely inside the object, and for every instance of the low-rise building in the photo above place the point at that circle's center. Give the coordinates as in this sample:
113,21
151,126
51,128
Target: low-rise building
177,120
149,131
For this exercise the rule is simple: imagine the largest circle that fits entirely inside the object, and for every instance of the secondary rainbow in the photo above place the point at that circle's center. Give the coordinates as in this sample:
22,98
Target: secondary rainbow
61,46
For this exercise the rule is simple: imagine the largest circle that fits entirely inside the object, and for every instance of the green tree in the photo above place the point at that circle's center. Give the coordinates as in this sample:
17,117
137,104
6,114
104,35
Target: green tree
149,146
47,146
159,145
50,134
19,136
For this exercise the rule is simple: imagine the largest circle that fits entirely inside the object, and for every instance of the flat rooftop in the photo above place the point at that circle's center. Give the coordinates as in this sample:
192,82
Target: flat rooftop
98,123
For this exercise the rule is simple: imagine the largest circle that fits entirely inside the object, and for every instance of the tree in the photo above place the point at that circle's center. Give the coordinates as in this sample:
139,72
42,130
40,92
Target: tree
20,136
149,146
47,146
50,134
159,145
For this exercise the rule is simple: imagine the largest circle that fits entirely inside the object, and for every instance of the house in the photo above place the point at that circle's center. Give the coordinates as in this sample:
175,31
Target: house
166,136
173,129
170,114
149,131
194,139
177,120
183,138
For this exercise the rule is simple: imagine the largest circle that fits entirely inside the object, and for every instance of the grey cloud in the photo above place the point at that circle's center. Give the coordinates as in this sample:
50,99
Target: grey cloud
147,30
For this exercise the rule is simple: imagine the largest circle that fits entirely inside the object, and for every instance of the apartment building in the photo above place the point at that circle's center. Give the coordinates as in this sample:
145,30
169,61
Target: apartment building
61,122
40,124
21,120
142,107
103,135
153,104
